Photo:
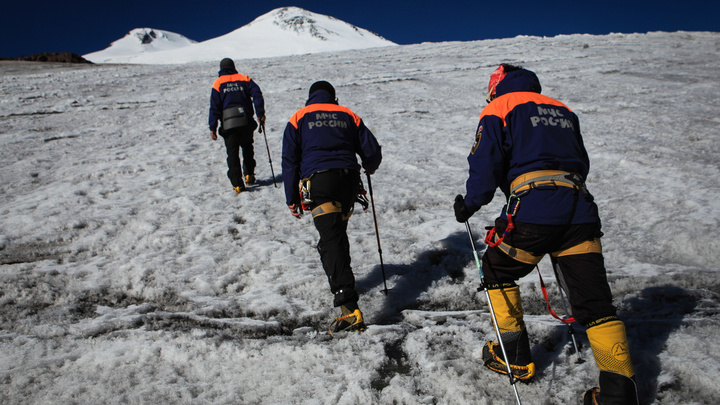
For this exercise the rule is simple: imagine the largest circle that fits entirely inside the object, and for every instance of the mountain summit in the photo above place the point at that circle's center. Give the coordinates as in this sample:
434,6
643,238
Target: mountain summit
138,42
281,32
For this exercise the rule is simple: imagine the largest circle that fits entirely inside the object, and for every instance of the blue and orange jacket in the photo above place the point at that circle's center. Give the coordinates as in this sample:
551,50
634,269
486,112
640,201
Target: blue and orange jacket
522,131
232,89
323,136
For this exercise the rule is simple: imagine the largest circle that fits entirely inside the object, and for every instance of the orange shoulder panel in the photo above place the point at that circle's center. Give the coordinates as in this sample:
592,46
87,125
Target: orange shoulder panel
501,106
322,107
229,78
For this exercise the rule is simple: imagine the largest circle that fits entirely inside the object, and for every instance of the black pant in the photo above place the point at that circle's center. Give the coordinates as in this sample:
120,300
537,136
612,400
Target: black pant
340,186
588,290
234,140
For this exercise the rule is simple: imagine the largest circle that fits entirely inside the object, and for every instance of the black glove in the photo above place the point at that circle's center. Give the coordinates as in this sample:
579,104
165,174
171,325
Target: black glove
462,214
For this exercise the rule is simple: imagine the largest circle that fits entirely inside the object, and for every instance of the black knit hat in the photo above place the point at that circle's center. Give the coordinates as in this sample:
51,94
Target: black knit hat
322,85
227,63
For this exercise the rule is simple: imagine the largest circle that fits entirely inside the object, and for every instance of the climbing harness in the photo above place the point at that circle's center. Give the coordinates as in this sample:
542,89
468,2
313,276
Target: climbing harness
306,196
521,186
544,178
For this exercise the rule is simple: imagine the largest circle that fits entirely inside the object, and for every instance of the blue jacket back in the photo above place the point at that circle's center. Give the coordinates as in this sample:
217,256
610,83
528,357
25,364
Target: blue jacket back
522,131
323,136
232,89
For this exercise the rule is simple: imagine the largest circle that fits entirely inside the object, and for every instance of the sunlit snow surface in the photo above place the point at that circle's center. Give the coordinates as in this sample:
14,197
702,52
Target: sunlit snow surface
131,273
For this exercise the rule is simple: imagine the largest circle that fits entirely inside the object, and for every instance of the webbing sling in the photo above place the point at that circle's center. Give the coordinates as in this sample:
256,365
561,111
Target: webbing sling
491,238
554,314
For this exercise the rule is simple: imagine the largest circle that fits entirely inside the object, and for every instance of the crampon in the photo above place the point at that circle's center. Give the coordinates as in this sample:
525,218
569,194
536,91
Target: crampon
495,363
352,322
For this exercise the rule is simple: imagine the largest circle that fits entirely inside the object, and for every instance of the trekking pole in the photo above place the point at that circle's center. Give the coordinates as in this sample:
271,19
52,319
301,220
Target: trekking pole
492,311
268,151
377,233
562,286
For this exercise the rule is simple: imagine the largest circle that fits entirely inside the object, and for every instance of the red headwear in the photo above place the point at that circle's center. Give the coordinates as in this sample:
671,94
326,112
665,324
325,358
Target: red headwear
495,78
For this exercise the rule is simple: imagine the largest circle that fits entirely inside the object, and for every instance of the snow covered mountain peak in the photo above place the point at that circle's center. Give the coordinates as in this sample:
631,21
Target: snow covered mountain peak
148,35
300,21
305,22
280,32
140,41
151,39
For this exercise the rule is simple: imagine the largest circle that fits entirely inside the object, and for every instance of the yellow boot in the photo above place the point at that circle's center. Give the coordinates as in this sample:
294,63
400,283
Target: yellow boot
617,377
509,313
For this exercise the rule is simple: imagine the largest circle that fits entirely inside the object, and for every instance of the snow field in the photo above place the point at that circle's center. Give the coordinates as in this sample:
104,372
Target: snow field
131,273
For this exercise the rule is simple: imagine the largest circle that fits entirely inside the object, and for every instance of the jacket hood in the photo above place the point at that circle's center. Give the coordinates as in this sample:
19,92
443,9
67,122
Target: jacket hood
227,71
321,97
519,80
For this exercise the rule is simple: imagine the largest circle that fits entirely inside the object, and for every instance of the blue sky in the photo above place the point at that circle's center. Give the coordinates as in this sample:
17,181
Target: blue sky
87,26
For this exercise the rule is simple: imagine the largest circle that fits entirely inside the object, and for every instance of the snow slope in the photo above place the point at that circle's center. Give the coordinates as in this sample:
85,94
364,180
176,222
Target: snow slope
130,273
281,32
137,42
